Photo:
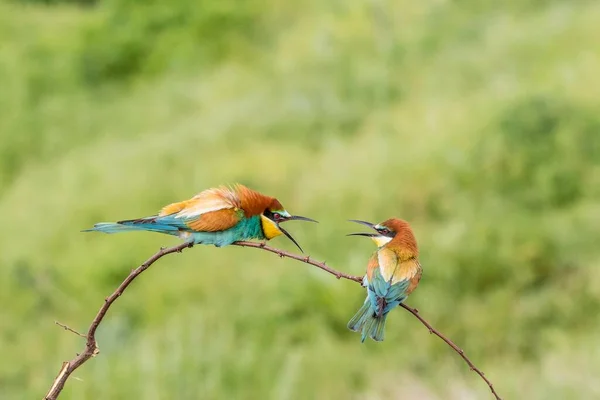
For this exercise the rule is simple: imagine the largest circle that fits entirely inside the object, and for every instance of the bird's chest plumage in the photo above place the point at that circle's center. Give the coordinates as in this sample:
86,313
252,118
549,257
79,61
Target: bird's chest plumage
391,278
248,228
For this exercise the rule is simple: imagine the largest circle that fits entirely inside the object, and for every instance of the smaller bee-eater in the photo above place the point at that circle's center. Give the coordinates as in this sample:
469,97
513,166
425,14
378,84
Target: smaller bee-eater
393,272
218,216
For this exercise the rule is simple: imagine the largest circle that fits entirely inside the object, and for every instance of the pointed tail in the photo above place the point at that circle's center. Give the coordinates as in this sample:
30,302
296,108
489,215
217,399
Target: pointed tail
368,323
143,224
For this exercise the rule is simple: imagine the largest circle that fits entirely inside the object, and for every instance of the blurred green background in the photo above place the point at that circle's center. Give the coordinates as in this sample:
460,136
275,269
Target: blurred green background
476,121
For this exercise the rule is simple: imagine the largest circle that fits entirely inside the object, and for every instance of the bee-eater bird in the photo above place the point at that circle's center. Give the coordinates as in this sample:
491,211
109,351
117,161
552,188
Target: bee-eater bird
218,216
392,274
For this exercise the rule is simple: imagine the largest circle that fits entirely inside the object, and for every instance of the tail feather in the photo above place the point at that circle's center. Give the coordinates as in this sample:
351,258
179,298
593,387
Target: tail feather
368,323
377,329
134,225
359,319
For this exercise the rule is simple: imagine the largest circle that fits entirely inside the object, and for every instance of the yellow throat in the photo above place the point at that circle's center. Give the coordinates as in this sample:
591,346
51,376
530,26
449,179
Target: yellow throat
381,240
270,228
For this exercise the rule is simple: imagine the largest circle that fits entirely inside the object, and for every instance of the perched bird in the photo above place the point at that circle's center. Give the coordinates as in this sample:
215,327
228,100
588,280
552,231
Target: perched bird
218,216
392,274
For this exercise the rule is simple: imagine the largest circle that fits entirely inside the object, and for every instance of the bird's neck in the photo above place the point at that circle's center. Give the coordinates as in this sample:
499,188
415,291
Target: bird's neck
249,228
405,246
404,253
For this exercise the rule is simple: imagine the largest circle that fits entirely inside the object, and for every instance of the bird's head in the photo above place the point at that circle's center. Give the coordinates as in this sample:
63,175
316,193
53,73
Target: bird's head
393,229
273,216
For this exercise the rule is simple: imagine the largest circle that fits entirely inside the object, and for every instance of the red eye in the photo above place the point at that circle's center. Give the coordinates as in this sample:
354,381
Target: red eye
277,216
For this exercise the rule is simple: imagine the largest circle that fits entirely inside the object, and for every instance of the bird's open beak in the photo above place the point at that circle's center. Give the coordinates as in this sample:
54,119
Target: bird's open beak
290,237
286,233
299,218
370,225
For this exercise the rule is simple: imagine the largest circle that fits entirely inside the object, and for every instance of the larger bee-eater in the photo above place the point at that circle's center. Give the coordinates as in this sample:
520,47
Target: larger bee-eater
392,274
218,216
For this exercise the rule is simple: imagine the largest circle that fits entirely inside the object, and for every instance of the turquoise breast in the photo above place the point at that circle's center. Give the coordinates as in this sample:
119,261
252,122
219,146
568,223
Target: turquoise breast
246,229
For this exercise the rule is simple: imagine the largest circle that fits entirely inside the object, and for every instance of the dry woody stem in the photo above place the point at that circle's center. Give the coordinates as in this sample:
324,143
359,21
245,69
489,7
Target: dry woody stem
91,347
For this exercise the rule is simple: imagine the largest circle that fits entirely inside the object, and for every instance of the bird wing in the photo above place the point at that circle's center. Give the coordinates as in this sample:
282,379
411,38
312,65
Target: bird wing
388,263
412,271
211,210
379,271
396,277
407,270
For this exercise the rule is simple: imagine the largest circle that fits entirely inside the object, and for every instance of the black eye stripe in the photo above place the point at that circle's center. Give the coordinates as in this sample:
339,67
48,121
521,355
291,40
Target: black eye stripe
385,231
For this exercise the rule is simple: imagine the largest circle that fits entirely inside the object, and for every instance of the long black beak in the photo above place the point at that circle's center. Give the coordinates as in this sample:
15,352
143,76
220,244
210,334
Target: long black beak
362,234
290,237
299,218
370,225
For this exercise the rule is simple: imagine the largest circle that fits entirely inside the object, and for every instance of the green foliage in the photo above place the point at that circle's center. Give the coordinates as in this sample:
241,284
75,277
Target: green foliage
546,154
474,121
58,2
134,38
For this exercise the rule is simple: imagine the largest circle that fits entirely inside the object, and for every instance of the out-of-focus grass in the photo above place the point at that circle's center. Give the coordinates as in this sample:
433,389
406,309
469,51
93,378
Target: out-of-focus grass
477,123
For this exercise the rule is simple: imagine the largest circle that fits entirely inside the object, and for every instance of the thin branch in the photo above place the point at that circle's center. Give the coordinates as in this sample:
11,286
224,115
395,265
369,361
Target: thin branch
413,311
450,343
66,328
304,259
91,346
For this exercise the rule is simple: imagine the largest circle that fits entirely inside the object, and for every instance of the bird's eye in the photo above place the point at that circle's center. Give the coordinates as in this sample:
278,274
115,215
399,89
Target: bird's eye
276,216
384,231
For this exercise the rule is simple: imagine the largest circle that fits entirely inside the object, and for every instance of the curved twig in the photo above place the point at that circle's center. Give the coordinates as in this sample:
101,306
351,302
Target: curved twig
304,259
450,343
91,348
